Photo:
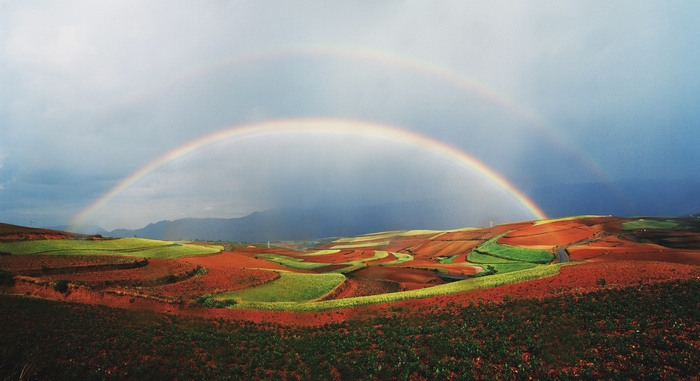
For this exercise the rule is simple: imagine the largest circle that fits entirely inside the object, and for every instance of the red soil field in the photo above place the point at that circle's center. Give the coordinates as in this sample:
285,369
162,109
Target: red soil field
156,268
548,228
402,243
571,279
669,256
389,258
32,262
443,248
462,258
364,287
612,244
481,234
216,280
562,234
238,260
425,264
397,274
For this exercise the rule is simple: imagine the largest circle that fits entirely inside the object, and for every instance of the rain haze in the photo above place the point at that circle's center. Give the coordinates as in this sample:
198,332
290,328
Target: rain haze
475,109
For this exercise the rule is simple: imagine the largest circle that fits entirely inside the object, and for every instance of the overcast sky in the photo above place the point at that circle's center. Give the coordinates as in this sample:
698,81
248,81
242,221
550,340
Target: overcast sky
542,92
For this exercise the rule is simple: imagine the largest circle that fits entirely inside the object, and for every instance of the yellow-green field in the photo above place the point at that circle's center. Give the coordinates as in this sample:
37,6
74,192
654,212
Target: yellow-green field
290,288
135,247
648,224
443,289
361,244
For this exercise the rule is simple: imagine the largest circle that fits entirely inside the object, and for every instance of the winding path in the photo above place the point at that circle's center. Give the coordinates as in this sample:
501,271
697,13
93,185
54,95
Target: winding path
563,254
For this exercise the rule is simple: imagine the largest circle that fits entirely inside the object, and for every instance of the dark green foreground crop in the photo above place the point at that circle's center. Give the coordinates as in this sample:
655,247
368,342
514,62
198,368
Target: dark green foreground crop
643,332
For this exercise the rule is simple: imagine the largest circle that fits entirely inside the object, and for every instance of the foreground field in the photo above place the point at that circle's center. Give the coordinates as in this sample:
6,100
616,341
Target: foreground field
638,332
575,298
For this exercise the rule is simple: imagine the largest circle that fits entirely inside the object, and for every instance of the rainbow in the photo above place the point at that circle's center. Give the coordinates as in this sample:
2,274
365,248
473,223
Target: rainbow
319,125
429,69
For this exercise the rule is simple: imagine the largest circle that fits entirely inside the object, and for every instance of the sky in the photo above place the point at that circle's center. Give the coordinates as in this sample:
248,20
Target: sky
569,102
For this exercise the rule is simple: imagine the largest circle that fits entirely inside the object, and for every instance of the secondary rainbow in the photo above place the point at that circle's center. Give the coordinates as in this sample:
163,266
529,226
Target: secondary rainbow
389,59
326,126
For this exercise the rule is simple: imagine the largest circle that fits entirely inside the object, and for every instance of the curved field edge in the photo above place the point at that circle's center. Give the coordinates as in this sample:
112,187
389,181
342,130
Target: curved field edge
569,218
361,263
289,287
515,253
295,263
444,289
361,245
400,258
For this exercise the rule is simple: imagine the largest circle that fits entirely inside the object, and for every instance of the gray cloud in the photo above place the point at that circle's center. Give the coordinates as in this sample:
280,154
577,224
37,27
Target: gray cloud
91,92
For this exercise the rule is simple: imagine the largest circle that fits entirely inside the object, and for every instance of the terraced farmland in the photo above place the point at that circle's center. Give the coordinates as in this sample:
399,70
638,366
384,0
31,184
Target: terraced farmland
411,264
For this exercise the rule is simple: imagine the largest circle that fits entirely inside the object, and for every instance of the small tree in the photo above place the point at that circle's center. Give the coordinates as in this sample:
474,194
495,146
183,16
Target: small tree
7,278
61,286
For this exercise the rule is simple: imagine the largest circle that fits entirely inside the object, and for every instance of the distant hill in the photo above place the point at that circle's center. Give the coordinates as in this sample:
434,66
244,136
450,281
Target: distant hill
9,232
308,224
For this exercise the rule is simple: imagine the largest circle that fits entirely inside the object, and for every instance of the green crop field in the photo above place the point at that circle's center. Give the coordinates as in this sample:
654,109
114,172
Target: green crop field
368,237
448,260
410,233
360,245
400,258
502,268
290,287
136,247
172,252
295,263
550,220
476,257
443,289
649,224
514,252
360,263
321,252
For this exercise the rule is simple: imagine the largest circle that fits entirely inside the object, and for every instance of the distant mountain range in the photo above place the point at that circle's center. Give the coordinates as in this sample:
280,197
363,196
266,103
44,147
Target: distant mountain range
301,224
652,198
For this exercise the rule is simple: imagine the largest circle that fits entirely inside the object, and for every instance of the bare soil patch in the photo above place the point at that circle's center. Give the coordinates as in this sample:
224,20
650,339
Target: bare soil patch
364,287
443,248
398,274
